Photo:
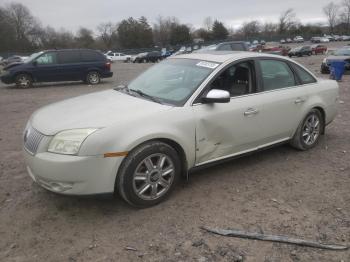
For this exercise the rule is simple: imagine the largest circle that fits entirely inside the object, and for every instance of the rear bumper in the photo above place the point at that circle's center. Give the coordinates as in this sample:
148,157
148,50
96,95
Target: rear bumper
73,175
106,74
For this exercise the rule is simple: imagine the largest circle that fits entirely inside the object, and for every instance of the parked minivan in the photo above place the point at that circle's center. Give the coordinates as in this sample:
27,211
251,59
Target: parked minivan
58,65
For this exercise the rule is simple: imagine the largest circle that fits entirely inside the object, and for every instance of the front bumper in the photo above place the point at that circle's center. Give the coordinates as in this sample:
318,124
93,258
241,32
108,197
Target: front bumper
73,175
6,78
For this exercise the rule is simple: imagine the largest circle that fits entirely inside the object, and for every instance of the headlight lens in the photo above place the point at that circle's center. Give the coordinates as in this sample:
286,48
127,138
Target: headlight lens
68,142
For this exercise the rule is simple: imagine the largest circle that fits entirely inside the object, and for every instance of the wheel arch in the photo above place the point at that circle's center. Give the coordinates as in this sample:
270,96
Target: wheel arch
23,72
323,113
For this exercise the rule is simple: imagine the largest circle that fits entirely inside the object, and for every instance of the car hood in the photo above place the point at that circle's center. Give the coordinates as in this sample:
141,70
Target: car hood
11,65
96,110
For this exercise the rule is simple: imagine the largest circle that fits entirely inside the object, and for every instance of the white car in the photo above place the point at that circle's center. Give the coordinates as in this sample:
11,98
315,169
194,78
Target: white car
298,39
184,113
112,56
324,40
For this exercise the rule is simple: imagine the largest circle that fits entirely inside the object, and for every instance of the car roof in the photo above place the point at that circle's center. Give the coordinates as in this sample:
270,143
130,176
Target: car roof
223,56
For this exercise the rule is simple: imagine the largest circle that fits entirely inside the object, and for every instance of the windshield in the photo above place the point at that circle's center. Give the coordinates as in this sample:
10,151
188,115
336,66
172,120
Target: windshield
32,57
173,81
342,52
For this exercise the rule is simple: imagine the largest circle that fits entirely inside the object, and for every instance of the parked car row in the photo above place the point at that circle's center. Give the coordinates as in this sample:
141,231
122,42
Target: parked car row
297,39
58,65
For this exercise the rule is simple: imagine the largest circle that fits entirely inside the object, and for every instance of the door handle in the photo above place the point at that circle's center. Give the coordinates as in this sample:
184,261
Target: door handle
251,111
299,100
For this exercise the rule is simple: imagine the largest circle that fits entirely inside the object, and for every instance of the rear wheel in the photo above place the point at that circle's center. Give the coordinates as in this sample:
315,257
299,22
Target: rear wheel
148,174
93,78
309,131
23,81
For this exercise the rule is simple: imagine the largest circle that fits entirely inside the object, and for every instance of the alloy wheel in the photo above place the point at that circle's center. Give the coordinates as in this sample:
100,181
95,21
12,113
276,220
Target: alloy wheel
311,129
153,176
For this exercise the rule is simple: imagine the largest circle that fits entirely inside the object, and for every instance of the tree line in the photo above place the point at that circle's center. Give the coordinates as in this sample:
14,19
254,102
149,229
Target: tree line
20,31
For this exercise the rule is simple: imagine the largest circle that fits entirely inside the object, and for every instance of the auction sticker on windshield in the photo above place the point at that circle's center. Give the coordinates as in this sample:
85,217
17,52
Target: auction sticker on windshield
207,64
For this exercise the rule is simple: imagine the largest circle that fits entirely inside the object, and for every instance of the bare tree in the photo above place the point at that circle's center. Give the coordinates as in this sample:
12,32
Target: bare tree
251,29
208,23
331,12
345,14
162,29
286,21
108,33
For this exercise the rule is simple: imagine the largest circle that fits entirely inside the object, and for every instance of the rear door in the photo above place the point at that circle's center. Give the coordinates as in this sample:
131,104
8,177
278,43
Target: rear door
45,67
281,100
70,66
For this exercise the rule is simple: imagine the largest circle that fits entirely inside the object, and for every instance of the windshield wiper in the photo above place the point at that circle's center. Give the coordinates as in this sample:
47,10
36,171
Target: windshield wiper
140,93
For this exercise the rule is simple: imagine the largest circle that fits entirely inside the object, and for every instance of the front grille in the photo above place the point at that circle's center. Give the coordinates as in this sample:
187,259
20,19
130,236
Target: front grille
32,139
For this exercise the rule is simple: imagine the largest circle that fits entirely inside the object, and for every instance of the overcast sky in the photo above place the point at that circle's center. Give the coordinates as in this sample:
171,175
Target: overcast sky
71,14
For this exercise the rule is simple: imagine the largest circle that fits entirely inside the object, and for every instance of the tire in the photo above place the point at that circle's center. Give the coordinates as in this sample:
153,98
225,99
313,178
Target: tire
23,81
308,132
93,78
152,162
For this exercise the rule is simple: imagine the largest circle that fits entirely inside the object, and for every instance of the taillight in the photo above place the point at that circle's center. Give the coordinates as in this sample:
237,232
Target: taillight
108,66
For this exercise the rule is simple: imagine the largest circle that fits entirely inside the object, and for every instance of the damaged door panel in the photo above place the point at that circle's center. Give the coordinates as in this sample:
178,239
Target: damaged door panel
225,129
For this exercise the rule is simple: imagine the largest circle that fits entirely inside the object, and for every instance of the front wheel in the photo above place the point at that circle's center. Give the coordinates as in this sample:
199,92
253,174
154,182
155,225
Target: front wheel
23,81
148,174
93,78
309,131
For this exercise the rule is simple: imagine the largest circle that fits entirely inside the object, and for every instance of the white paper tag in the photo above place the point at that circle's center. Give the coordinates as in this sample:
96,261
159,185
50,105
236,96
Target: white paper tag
207,64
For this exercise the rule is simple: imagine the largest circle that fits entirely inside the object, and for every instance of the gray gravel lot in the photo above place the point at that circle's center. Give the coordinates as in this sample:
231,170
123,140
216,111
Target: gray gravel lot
277,191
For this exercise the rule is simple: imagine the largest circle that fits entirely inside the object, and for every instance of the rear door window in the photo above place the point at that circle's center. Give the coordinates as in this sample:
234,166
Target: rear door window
91,56
276,74
237,47
226,47
305,77
69,57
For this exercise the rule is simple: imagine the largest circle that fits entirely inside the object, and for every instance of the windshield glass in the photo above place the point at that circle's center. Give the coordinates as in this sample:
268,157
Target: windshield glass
342,52
173,81
32,57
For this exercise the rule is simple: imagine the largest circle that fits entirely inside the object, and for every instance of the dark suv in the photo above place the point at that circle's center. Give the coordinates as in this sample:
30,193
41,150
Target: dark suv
59,65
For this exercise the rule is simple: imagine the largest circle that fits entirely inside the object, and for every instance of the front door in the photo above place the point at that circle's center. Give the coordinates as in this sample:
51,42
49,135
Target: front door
45,67
227,129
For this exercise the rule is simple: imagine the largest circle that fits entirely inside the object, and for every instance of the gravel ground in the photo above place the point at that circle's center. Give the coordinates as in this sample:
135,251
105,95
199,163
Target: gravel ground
277,191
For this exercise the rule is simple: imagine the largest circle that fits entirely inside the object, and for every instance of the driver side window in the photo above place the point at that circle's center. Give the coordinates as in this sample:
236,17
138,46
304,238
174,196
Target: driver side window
237,79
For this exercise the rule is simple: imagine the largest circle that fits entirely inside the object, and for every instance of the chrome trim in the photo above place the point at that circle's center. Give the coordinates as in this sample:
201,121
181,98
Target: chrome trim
32,139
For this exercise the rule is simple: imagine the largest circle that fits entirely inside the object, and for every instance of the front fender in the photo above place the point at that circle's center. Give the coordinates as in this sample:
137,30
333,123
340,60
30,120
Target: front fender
177,125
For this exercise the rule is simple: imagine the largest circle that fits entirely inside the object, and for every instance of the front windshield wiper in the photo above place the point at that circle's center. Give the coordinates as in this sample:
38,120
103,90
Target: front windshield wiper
131,92
140,93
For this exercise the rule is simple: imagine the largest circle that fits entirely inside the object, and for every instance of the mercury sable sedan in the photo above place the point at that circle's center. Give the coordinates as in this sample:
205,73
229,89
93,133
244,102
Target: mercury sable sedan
183,113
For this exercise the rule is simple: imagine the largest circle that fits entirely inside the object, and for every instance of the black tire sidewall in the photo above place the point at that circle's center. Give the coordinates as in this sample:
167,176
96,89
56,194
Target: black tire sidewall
125,186
26,75
88,80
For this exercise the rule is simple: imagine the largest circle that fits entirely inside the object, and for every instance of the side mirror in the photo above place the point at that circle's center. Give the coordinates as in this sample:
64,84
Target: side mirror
216,96
35,63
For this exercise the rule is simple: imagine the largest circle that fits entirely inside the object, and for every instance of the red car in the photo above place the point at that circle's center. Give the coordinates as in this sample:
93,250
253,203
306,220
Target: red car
319,49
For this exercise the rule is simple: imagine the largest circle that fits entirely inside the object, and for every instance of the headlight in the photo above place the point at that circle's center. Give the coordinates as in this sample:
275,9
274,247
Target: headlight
68,142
